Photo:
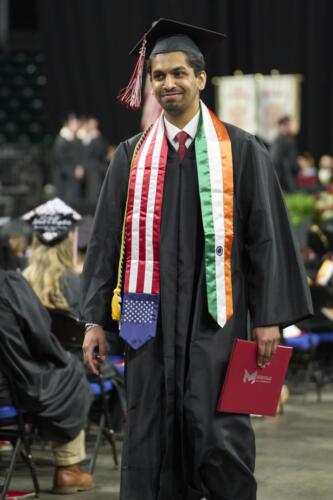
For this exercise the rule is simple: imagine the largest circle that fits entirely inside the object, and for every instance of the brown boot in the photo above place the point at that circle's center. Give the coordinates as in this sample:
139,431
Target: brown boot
70,479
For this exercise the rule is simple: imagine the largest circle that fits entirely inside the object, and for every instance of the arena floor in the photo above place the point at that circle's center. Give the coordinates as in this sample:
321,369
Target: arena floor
294,457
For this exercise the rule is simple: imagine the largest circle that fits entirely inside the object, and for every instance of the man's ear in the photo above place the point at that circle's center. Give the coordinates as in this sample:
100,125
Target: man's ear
202,79
151,86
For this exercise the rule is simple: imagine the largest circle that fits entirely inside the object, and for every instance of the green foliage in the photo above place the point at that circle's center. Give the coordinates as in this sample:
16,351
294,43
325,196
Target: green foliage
301,207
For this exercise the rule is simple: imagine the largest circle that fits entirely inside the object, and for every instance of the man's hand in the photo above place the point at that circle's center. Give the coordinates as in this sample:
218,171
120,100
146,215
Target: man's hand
94,338
267,338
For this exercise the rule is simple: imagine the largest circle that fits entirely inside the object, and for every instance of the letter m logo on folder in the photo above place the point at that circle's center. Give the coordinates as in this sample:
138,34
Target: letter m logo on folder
249,377
249,389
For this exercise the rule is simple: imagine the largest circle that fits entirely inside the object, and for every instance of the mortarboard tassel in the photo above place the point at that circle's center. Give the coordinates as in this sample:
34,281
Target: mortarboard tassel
130,96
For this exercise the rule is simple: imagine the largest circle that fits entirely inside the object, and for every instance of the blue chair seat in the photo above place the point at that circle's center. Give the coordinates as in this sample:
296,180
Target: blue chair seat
303,342
118,362
325,336
307,340
7,412
96,388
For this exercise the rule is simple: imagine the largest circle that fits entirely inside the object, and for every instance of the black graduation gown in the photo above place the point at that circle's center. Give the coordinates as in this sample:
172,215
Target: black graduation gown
48,381
177,446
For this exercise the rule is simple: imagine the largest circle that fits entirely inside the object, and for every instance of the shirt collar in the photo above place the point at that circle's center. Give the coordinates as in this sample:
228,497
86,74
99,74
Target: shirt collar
190,128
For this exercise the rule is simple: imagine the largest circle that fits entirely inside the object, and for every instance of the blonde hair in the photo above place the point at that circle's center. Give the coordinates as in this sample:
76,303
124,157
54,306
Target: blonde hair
46,266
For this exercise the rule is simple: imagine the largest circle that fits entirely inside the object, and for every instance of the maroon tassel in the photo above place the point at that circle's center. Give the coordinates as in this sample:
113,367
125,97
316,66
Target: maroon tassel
131,95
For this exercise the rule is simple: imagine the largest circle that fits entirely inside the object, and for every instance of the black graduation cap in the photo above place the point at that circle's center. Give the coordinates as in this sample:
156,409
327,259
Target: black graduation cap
52,221
166,35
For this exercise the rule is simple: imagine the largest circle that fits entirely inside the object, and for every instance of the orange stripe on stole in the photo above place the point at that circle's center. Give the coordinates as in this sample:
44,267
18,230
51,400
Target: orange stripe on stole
228,202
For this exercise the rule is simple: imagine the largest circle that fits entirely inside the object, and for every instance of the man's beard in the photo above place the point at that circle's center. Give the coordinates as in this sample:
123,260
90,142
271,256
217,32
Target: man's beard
173,108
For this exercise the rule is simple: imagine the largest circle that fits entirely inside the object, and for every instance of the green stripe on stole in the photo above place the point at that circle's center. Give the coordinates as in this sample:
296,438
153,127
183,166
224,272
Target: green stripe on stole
207,215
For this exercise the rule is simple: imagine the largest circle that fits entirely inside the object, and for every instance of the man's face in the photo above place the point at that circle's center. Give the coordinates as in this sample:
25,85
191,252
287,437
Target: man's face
174,83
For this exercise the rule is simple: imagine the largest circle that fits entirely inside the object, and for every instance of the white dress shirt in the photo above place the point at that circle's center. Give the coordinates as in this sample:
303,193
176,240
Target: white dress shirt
190,128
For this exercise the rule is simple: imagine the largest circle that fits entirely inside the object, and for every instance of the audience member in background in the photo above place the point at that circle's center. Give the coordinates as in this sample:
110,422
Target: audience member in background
51,270
319,267
284,155
48,382
307,178
325,173
14,239
69,173
93,158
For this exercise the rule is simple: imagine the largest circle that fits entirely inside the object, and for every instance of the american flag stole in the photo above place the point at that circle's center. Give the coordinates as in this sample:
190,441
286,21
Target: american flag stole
141,288
141,295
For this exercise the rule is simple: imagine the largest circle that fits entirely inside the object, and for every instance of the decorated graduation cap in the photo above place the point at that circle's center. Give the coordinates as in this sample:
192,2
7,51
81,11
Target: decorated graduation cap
164,36
52,221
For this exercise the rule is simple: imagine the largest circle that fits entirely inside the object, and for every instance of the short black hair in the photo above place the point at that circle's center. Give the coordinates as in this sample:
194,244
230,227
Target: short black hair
283,120
196,61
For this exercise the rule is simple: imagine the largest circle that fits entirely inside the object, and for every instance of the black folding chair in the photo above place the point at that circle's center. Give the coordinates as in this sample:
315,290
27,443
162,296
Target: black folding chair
17,427
70,333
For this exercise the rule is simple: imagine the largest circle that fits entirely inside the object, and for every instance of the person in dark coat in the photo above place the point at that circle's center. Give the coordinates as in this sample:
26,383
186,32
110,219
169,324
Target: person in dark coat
69,173
284,156
207,256
93,158
49,382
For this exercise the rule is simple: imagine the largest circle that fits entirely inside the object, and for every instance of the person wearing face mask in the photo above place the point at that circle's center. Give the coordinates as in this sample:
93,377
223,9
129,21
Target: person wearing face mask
307,178
325,173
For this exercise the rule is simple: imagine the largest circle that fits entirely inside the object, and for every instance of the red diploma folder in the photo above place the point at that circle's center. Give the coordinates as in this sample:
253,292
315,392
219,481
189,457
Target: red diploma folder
248,388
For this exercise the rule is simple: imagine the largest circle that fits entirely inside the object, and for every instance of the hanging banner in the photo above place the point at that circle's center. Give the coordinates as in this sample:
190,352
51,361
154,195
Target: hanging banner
256,102
236,101
278,96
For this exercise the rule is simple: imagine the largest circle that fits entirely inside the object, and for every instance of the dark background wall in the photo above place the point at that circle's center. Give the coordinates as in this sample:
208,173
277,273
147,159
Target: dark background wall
86,43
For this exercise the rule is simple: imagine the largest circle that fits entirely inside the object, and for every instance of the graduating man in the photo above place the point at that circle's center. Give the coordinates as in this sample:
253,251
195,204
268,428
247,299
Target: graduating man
205,254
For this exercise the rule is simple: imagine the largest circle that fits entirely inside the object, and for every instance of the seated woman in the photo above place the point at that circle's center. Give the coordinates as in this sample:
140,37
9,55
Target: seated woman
51,269
48,381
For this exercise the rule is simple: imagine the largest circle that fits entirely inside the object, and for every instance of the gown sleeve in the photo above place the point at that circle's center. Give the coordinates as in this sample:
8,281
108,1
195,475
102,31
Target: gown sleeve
30,323
277,287
99,275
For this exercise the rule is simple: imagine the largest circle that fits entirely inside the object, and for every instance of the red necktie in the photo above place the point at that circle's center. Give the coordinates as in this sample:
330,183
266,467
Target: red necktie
181,138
